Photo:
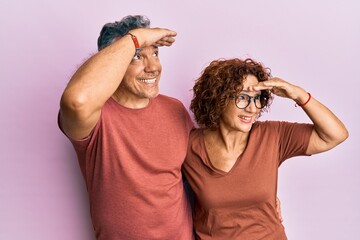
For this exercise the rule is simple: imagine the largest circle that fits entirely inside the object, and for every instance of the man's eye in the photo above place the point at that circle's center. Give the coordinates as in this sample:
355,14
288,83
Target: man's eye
156,54
137,57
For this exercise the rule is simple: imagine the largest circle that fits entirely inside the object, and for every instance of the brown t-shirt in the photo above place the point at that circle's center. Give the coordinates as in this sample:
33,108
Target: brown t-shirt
240,204
132,168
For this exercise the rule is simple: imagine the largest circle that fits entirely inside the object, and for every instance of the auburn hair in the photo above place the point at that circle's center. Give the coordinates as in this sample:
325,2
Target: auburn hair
219,83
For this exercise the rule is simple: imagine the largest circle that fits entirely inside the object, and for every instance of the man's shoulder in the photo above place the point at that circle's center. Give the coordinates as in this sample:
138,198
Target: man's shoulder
162,97
170,105
167,100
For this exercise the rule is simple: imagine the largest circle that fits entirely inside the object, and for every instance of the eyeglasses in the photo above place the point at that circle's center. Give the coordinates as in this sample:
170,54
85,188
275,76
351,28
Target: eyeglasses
243,100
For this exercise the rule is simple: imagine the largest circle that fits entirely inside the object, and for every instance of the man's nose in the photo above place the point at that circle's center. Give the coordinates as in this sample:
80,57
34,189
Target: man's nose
151,65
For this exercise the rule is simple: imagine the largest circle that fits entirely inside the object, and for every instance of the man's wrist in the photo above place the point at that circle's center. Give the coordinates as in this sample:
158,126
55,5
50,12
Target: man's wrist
136,43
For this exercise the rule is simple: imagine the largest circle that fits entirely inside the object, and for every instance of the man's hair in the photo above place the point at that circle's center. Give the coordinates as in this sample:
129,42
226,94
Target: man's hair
112,31
219,83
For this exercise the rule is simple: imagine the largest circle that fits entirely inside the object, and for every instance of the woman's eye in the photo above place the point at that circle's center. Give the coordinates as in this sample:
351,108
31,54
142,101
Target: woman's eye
156,54
242,98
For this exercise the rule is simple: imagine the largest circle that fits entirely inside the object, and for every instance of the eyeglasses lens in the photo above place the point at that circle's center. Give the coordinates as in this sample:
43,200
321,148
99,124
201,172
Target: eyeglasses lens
244,100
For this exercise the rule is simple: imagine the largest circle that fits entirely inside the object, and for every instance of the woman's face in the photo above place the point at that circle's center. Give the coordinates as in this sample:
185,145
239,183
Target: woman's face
237,119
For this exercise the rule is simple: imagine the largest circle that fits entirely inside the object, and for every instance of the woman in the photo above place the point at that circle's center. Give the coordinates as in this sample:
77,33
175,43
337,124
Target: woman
232,160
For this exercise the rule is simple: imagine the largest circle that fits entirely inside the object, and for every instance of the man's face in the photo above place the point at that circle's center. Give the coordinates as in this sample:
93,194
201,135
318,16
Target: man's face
142,76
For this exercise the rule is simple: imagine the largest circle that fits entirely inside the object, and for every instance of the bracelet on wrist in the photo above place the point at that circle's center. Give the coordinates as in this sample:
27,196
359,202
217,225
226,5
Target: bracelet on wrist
303,104
136,43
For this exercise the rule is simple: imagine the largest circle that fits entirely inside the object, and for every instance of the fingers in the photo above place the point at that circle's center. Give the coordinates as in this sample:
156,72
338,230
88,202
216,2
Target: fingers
273,82
154,36
279,87
260,86
165,32
170,33
167,38
165,41
275,85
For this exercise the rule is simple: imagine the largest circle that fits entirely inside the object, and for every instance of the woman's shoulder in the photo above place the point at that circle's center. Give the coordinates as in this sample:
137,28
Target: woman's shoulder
266,124
269,127
279,127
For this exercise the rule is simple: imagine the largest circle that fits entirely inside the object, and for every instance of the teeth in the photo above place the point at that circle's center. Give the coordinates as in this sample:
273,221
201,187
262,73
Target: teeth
148,80
245,118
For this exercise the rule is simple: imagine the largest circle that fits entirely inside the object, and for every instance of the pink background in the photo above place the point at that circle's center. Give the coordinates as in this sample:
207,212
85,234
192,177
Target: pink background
314,44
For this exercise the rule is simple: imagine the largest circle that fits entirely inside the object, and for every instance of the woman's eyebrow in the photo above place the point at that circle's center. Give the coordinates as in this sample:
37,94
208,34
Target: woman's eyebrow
247,91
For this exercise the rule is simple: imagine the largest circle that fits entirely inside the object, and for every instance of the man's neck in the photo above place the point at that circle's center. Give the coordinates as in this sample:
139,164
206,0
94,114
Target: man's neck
128,102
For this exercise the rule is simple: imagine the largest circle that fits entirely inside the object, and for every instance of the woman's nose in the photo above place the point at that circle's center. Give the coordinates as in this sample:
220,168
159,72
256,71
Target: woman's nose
251,107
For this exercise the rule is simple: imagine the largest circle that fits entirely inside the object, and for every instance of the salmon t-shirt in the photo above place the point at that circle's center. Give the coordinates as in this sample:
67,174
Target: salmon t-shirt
240,204
131,164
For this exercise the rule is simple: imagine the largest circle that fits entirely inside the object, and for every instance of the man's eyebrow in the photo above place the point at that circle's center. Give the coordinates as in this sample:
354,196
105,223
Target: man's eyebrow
155,48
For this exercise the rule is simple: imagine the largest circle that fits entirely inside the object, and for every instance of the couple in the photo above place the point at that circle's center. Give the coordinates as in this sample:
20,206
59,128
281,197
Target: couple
133,142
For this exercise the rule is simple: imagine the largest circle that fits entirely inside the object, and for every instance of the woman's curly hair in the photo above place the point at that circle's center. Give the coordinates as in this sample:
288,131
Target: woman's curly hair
219,83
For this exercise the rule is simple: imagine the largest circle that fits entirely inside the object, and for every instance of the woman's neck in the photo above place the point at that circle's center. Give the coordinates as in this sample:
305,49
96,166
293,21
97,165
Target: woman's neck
228,140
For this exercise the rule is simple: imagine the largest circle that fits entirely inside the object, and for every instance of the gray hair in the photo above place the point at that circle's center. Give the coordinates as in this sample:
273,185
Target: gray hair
112,31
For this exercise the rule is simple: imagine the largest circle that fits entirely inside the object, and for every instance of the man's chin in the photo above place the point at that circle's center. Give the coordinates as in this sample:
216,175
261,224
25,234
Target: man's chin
153,94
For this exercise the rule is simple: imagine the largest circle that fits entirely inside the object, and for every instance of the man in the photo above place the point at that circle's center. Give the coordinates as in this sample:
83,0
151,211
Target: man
130,140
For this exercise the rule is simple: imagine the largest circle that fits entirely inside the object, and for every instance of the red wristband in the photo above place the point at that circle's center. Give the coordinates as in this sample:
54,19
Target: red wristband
136,43
302,105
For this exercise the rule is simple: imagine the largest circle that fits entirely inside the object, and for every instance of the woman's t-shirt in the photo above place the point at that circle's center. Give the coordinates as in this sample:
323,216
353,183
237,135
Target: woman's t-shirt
240,204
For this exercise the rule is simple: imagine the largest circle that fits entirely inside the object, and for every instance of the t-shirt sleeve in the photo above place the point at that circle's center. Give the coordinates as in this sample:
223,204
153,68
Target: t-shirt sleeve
189,122
81,145
293,139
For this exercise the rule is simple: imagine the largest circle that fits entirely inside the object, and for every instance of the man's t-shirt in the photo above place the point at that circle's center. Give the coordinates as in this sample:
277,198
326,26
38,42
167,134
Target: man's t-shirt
131,163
